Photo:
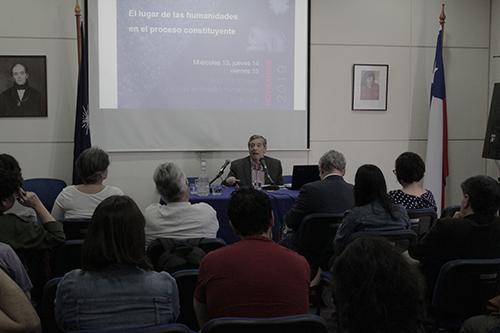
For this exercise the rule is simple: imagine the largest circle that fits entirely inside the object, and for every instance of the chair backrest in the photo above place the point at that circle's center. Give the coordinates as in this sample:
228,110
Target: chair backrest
464,286
450,211
210,244
186,283
421,220
66,257
76,229
402,239
47,189
166,328
47,311
290,324
314,239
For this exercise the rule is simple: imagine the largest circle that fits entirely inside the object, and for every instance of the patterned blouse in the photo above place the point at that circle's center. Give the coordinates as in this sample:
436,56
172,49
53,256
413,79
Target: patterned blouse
409,201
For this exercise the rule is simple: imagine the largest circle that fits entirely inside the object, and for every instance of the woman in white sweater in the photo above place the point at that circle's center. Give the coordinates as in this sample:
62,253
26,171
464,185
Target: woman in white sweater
80,201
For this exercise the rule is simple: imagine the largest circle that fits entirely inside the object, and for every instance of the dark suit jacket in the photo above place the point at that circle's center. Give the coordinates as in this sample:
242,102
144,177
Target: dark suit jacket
473,237
30,105
242,170
330,195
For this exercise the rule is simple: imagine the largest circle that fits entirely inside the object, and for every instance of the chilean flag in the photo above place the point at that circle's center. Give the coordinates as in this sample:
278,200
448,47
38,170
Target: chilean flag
436,160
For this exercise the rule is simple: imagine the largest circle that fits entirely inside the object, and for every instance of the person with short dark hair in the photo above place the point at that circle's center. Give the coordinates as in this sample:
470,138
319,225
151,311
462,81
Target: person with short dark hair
116,287
409,171
473,233
79,201
373,208
254,277
249,171
177,217
30,241
18,233
26,213
21,99
376,289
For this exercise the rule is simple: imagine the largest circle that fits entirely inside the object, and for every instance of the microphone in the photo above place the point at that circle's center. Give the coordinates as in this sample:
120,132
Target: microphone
221,171
266,171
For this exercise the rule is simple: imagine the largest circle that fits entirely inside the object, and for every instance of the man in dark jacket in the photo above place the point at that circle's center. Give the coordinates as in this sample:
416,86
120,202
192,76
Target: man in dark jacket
256,169
473,233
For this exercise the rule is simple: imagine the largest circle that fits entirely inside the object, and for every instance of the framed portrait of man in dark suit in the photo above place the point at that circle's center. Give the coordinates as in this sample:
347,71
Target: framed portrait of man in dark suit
23,86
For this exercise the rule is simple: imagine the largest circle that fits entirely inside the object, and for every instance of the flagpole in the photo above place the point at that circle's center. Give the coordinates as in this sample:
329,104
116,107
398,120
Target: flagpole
78,31
442,19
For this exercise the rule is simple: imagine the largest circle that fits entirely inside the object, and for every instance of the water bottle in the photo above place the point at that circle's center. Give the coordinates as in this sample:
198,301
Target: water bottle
203,181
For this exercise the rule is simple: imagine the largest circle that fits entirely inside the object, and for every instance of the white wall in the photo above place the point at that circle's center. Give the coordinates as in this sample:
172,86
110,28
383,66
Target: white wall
400,33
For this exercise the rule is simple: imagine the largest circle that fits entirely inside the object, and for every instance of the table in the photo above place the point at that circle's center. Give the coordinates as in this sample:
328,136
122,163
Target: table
282,200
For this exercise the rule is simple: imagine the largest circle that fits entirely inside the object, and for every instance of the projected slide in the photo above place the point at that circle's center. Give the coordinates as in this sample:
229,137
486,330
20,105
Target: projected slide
226,54
198,74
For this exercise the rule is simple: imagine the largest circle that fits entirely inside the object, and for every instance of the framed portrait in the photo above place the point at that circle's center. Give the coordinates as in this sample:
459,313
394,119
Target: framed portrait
23,86
369,87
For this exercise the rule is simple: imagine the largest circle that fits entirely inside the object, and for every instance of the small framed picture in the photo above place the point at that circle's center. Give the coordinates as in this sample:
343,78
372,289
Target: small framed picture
369,87
23,86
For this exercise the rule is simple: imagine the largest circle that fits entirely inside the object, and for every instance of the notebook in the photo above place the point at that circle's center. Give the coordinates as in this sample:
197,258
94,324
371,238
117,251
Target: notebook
303,174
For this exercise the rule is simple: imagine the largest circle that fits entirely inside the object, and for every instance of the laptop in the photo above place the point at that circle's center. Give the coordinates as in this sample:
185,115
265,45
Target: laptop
303,174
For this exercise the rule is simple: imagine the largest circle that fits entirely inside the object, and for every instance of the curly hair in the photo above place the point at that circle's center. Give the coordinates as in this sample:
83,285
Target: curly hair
376,290
11,178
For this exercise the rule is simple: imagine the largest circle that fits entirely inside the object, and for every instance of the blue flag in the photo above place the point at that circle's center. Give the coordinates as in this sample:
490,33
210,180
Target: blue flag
82,121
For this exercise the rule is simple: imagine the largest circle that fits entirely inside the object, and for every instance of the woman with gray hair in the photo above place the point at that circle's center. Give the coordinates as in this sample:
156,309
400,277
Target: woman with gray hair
177,218
80,201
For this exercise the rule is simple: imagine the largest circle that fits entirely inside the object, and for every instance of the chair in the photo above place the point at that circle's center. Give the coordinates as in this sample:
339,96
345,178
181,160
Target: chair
402,239
462,289
290,324
421,220
47,189
47,311
210,244
450,211
66,257
287,179
314,239
166,328
186,282
76,229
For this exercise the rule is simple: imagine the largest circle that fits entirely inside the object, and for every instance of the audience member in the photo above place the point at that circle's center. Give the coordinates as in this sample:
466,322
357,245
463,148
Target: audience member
31,241
373,209
16,232
331,194
10,263
254,277
410,169
177,218
249,171
26,213
376,290
115,287
474,231
80,201
16,312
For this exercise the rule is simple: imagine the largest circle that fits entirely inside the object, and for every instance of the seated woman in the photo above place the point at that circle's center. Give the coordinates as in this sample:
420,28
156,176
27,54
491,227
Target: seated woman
410,169
115,287
377,290
178,218
79,201
373,209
